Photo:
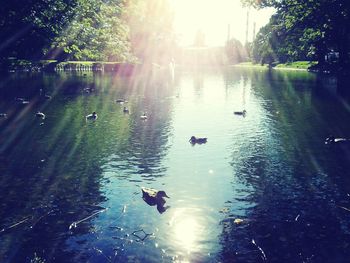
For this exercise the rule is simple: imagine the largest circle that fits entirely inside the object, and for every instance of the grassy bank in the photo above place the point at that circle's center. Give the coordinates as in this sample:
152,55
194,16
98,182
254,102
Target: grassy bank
297,65
304,65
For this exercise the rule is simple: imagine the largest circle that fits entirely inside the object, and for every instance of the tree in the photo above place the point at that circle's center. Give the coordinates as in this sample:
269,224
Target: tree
313,27
110,30
97,32
235,51
27,27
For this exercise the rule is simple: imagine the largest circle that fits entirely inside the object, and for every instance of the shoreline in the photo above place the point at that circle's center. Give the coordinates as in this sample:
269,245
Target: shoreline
55,66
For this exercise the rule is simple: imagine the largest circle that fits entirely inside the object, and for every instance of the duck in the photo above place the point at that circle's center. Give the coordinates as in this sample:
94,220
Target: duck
48,97
194,140
92,116
39,114
121,101
242,113
331,139
143,116
3,115
153,196
125,110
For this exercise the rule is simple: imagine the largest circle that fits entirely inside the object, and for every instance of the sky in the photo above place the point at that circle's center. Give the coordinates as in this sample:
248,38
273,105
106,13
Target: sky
212,17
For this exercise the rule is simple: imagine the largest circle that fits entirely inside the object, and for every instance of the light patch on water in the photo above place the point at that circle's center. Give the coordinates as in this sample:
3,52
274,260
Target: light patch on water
185,232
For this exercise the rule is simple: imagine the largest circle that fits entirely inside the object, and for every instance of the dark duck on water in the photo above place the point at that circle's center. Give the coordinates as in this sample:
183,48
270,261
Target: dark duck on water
154,197
241,113
194,140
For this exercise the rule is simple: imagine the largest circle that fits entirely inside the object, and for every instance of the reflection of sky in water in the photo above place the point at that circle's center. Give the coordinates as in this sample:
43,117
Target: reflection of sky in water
199,179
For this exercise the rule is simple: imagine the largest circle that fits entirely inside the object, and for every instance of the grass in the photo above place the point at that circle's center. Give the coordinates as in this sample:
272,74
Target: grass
296,65
251,64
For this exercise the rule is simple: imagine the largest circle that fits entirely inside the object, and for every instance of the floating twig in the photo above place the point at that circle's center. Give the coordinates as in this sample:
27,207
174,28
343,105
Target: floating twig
262,251
342,207
76,223
14,225
32,226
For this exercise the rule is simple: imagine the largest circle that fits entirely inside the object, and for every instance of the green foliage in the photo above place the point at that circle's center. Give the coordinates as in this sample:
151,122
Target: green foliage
235,51
97,32
304,29
109,30
27,27
262,49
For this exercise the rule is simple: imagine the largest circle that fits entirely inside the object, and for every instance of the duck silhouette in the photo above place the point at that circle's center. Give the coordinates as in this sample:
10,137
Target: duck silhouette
194,140
125,110
92,116
143,117
154,197
121,101
242,113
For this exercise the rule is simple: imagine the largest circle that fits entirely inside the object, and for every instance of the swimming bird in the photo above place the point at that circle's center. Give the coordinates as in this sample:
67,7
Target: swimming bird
153,197
3,115
143,116
242,113
121,101
92,116
40,115
194,140
125,110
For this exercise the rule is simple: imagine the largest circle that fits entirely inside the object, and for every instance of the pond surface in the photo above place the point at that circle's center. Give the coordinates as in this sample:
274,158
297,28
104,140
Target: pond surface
265,187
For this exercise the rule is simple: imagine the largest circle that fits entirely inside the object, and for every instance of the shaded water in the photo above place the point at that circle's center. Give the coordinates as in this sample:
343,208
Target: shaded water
270,169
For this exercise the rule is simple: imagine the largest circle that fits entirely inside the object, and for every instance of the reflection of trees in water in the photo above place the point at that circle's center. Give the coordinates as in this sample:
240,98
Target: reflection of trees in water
51,174
296,182
148,139
198,80
231,77
40,184
294,216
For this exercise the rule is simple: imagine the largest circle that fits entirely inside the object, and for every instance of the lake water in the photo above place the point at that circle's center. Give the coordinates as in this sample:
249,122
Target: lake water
265,187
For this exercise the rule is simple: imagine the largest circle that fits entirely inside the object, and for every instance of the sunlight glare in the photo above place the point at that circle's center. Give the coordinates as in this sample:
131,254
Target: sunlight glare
213,18
185,232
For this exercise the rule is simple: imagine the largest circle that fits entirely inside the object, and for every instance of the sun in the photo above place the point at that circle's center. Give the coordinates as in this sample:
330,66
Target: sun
213,19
